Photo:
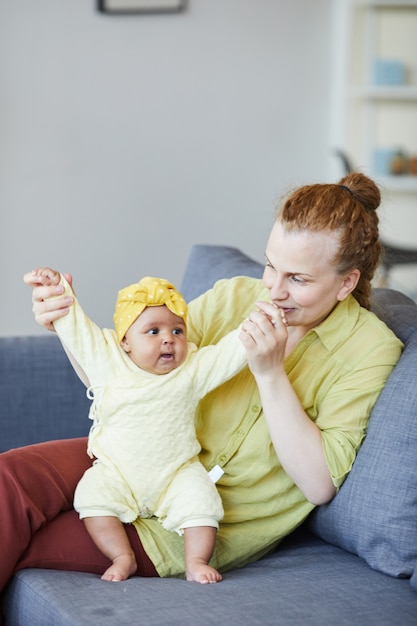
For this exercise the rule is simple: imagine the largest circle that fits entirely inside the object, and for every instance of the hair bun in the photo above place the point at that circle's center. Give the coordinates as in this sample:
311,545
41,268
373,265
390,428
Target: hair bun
363,189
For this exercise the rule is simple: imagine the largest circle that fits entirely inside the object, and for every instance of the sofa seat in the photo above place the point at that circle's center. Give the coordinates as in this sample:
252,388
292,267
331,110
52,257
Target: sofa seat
305,582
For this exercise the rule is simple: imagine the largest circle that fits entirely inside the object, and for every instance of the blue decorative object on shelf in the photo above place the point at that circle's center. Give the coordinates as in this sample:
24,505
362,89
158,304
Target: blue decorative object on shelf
382,158
388,72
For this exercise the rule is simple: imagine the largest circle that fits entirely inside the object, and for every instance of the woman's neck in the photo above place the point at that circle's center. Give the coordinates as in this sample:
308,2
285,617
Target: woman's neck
295,334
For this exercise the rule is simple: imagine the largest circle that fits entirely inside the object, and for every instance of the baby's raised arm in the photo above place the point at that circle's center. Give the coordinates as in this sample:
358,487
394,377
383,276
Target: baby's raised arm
45,283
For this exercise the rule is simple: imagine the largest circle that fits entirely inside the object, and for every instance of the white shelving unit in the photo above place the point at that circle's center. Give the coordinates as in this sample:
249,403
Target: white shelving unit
370,117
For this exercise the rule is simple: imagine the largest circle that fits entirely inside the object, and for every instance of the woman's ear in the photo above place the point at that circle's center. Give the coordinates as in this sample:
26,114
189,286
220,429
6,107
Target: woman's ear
349,283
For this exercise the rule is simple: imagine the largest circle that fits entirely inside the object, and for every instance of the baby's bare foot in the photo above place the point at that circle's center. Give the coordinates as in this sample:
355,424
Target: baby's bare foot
122,567
203,574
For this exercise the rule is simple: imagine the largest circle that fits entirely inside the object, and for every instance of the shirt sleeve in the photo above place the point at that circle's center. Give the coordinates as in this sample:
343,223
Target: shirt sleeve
346,398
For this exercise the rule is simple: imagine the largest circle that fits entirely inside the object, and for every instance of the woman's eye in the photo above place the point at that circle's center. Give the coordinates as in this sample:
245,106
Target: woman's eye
297,280
269,267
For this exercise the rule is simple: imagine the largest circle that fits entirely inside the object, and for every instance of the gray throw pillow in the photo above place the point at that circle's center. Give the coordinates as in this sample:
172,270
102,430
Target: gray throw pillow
374,515
413,581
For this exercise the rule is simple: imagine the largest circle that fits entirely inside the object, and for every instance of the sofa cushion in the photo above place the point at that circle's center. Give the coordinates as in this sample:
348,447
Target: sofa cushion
397,310
374,514
304,582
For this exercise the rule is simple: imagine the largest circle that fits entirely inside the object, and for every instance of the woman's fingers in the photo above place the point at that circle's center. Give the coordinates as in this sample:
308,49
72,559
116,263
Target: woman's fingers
274,312
46,311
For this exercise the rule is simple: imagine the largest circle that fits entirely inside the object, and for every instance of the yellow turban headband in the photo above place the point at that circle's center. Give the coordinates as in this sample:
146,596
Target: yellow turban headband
149,291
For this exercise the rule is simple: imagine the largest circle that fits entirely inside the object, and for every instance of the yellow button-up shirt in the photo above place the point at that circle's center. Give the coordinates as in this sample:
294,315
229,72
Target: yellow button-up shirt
337,370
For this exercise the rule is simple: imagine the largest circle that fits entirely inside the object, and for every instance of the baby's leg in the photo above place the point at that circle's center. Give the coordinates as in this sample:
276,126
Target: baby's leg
199,542
110,537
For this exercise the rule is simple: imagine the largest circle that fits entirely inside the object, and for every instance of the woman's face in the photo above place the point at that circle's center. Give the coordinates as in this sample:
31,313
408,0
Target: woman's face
301,276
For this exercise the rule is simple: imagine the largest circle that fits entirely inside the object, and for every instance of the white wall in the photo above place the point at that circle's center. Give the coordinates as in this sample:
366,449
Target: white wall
124,140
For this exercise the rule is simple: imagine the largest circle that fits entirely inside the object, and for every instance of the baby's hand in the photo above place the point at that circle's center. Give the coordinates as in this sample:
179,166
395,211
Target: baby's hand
42,276
270,313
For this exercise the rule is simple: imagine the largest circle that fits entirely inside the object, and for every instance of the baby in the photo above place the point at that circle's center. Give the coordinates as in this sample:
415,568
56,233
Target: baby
146,381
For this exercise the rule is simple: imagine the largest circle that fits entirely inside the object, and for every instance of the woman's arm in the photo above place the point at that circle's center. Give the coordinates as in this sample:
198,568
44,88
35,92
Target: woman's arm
47,311
296,439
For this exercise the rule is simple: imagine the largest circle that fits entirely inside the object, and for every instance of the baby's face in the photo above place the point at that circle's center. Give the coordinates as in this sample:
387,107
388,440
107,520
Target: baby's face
157,340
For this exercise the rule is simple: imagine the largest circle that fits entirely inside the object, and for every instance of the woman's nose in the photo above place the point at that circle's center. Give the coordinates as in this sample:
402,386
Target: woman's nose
278,290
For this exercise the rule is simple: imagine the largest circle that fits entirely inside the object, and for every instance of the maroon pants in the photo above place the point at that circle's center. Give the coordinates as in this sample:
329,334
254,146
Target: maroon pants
38,526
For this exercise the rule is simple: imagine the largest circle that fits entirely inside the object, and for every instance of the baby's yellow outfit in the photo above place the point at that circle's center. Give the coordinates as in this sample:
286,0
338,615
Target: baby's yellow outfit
143,433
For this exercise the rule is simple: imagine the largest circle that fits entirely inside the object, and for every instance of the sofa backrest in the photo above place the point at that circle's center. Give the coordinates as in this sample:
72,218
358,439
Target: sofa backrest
208,263
41,397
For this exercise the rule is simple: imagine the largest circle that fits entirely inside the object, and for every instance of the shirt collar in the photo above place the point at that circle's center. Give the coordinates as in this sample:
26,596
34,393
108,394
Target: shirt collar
339,324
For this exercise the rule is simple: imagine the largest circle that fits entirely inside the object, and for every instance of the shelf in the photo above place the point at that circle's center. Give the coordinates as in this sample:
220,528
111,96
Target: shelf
368,114
382,92
407,184
387,3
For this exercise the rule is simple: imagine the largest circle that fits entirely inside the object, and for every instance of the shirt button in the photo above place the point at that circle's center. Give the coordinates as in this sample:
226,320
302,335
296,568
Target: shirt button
240,433
255,408
223,458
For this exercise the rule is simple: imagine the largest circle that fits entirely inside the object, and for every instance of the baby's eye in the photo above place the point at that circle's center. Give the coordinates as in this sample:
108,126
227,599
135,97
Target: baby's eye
153,331
178,331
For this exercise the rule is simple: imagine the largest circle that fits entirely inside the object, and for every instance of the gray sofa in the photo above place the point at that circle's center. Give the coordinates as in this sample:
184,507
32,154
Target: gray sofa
353,561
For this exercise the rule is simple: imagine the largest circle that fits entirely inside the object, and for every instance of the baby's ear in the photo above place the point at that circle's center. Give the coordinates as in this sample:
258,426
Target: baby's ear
125,345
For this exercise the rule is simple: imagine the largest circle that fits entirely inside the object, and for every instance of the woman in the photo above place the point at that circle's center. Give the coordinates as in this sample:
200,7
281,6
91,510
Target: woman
285,431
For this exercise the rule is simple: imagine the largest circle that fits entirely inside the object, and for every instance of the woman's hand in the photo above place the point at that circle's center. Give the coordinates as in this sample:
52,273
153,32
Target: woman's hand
45,284
264,336
296,439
